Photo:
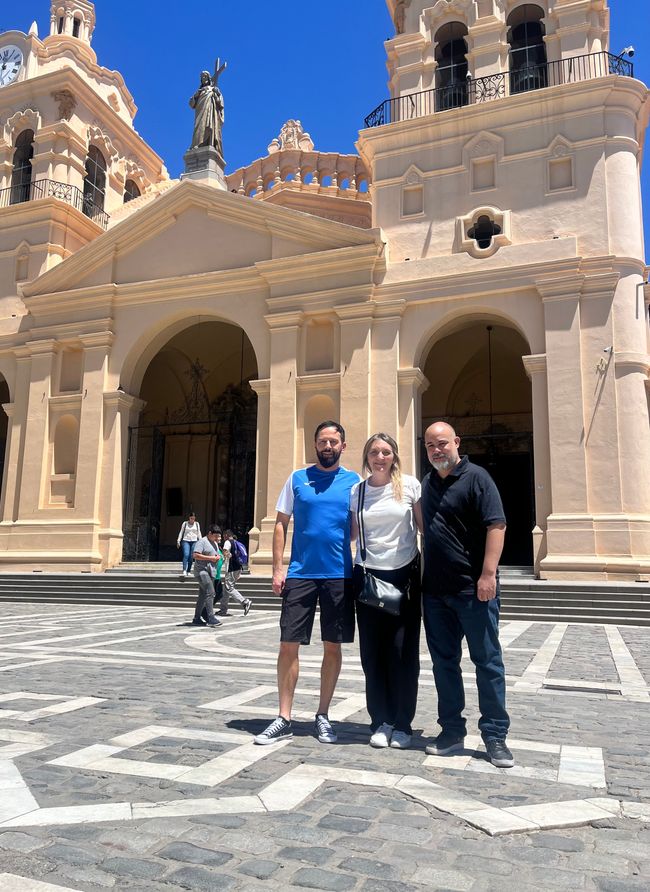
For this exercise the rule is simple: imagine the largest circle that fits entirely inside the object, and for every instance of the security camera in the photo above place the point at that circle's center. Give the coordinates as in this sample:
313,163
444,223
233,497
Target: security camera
628,51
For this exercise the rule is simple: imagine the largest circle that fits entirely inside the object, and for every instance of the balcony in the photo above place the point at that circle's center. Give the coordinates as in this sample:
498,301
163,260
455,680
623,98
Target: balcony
51,189
475,91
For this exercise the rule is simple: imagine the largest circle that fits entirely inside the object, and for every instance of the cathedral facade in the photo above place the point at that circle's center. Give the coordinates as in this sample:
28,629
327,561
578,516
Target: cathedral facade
170,345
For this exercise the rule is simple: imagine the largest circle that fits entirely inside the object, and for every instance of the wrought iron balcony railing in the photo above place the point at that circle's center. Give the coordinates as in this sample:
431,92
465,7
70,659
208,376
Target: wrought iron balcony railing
496,86
51,189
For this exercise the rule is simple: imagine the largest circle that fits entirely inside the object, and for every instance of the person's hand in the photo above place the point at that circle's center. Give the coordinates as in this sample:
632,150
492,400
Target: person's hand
279,577
486,588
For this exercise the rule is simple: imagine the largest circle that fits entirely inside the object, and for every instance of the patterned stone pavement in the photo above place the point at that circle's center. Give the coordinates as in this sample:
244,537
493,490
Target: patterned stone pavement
126,762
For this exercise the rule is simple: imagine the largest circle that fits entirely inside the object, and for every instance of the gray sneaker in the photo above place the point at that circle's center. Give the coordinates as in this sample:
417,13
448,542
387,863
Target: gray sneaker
323,729
247,606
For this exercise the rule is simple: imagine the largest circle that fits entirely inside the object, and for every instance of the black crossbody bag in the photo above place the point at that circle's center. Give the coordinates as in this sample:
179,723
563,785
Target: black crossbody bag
376,592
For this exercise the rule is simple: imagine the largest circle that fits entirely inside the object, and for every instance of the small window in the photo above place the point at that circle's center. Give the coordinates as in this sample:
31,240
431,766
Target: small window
60,25
21,175
76,25
451,74
95,182
528,68
131,191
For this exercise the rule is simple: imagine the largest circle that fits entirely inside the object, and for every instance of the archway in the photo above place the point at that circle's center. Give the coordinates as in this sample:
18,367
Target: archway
4,424
193,448
479,385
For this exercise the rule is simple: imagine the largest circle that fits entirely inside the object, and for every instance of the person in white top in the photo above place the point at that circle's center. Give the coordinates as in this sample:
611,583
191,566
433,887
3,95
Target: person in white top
389,645
188,535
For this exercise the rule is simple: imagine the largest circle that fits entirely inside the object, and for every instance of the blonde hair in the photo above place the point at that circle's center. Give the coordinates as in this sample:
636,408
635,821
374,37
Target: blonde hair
396,467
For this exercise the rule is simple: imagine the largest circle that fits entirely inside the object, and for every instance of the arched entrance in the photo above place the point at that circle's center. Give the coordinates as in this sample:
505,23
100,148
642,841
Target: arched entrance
193,448
4,423
477,382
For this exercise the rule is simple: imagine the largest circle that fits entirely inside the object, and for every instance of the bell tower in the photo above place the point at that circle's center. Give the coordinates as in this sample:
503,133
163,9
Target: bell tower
505,179
72,18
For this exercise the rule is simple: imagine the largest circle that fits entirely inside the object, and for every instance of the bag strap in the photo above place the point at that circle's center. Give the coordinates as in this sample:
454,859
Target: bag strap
362,529
183,529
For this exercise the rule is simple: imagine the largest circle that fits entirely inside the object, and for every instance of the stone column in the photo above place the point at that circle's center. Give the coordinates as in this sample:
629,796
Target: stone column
280,455
384,366
411,386
262,388
10,466
355,323
36,448
118,408
89,453
535,366
570,527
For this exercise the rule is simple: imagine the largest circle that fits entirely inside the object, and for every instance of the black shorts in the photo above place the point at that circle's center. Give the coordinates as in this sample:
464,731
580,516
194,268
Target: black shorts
299,599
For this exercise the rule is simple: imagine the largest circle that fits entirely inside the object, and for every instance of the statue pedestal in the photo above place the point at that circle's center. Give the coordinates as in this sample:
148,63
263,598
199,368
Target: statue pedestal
204,163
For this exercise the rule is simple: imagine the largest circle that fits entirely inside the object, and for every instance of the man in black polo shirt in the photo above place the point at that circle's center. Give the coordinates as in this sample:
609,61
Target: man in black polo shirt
464,529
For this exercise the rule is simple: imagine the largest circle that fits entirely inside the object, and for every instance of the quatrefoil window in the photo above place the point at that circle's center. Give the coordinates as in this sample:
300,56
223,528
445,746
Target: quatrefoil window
483,231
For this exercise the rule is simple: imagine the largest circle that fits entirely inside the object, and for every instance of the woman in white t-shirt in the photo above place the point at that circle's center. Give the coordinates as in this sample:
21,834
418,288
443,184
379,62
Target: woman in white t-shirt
188,535
389,645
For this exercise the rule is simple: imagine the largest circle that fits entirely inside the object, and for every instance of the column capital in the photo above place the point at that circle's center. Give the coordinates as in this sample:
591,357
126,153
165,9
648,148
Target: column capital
97,339
9,409
120,400
389,309
413,378
560,287
355,312
37,348
534,363
284,321
261,386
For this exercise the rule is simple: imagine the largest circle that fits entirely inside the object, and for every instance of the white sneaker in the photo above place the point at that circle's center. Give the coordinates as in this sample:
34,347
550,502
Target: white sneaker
382,736
186,573
400,740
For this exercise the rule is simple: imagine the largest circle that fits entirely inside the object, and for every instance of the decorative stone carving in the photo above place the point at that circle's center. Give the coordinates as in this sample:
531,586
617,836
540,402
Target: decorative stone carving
399,16
24,119
67,103
292,136
466,231
97,137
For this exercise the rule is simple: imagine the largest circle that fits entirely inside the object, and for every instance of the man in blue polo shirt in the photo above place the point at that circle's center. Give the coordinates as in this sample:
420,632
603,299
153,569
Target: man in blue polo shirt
320,572
464,530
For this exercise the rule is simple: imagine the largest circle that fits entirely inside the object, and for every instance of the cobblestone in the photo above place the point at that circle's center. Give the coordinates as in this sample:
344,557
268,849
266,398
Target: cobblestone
366,836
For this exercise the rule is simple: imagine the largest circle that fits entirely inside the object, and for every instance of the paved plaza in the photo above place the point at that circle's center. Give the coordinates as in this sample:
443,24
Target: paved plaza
127,762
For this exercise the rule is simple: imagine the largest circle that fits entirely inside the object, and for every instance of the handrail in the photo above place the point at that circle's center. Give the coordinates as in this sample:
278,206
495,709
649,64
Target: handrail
473,91
20,193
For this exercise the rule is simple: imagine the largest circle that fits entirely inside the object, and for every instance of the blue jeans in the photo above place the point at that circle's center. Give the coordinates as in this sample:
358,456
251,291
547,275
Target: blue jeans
188,552
447,619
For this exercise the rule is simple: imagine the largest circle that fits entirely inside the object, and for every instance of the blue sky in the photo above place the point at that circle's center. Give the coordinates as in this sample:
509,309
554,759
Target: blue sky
322,63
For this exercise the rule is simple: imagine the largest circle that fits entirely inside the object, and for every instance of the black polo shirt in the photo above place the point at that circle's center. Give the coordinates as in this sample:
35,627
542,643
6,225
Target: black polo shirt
457,509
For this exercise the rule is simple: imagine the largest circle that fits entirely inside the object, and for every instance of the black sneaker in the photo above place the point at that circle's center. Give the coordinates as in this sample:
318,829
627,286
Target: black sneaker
247,606
498,753
214,621
198,622
446,743
279,729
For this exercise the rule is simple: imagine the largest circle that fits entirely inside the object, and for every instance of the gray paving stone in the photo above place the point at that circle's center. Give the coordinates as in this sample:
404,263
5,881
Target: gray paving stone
554,878
315,878
20,842
370,867
344,825
311,854
484,865
70,855
199,880
456,880
557,843
130,867
260,869
182,851
631,884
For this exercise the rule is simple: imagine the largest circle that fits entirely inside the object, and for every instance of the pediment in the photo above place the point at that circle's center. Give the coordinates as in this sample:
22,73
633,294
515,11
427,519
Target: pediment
193,229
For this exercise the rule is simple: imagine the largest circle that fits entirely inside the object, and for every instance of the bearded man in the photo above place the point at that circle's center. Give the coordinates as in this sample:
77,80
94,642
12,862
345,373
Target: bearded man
320,572
464,531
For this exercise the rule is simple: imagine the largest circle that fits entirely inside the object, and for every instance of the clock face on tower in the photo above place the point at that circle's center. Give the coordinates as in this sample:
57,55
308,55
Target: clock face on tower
11,60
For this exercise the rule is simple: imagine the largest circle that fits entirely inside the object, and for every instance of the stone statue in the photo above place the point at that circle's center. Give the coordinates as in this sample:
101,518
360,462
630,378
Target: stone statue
399,17
208,107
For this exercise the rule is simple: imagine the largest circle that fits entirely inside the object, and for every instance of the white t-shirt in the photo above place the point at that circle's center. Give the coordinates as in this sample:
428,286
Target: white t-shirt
190,532
391,532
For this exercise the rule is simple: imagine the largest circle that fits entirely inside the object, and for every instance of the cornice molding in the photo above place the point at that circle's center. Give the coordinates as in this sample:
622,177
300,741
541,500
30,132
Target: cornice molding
261,386
412,378
632,362
320,382
534,364
285,321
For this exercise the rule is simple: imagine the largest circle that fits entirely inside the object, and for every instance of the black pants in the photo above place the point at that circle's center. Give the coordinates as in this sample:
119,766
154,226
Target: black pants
390,651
